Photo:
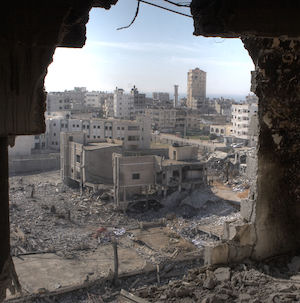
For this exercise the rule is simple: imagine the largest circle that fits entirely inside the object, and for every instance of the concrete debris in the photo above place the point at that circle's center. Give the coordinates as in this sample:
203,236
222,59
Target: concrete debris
238,283
222,274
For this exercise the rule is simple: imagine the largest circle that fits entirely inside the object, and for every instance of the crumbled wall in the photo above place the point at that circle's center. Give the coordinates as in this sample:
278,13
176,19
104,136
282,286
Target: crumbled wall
30,32
278,181
267,31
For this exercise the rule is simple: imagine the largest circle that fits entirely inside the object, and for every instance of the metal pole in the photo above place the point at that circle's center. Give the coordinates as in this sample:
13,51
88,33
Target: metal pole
116,261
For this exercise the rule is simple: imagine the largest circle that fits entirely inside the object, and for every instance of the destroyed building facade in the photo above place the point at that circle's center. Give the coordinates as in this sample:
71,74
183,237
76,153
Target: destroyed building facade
135,176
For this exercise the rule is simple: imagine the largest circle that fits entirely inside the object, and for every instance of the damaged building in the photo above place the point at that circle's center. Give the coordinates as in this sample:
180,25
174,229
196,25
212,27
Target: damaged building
137,176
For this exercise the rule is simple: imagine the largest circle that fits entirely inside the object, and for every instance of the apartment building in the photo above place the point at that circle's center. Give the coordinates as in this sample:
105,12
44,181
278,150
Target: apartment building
92,99
139,103
132,133
173,119
241,116
160,96
66,100
58,101
123,104
128,106
196,89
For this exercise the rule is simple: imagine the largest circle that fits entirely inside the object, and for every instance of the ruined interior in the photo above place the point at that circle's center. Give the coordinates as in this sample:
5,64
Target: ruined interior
270,33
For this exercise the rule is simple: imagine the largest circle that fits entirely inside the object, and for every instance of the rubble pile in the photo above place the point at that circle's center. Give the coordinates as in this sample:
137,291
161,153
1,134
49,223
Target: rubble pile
248,282
47,216
273,281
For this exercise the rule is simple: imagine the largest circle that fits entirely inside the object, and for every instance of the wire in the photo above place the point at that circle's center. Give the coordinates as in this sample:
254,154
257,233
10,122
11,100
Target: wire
167,9
136,14
156,5
177,4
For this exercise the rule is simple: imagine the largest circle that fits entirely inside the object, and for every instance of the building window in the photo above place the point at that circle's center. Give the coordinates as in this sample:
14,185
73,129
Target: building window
73,125
133,138
78,158
54,134
77,125
133,127
135,176
94,126
118,128
98,126
87,126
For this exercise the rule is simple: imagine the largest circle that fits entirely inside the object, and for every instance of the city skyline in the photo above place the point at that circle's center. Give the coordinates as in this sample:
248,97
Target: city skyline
152,55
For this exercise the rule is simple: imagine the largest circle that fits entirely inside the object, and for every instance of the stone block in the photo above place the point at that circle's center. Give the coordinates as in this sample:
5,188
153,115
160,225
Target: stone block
217,254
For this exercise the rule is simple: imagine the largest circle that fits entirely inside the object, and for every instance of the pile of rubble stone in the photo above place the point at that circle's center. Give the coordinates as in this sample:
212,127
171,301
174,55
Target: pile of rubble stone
248,282
55,218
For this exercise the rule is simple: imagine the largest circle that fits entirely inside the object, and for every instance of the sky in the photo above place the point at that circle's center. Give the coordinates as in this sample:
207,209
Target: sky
155,53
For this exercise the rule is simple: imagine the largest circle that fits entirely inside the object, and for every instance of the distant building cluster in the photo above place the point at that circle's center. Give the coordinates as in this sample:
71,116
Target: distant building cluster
132,116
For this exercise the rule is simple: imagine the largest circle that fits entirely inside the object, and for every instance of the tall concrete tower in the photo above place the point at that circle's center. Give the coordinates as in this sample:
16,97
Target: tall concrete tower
196,88
176,95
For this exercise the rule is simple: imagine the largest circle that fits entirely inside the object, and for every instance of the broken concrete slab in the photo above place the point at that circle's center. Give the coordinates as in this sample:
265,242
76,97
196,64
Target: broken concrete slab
222,274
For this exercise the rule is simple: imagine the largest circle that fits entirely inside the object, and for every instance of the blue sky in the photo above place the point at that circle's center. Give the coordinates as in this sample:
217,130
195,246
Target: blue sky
154,54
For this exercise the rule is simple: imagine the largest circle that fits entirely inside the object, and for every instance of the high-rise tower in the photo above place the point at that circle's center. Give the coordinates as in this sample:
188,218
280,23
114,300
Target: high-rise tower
176,95
196,88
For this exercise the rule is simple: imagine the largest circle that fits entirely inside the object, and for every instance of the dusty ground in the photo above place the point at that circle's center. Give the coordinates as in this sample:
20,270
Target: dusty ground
60,237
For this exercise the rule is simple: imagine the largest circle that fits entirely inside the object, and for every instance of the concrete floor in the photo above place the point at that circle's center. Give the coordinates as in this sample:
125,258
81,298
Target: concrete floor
50,271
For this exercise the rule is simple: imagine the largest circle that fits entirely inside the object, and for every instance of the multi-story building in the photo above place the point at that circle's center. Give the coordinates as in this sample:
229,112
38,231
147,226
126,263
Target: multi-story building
173,119
128,106
160,96
139,103
196,89
66,100
175,102
92,99
96,99
58,101
241,115
108,106
123,104
133,133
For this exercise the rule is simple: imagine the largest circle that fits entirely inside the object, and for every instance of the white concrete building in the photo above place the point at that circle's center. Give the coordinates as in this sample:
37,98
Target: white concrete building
133,133
92,99
58,101
123,104
241,116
